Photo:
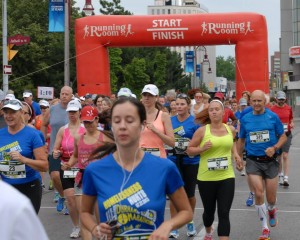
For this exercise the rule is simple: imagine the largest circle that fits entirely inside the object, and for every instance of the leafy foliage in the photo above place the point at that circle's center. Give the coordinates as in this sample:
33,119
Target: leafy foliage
226,68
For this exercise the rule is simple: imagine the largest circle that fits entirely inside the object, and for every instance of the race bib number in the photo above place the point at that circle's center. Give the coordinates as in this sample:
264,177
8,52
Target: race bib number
71,173
12,169
181,145
217,164
285,127
153,151
259,137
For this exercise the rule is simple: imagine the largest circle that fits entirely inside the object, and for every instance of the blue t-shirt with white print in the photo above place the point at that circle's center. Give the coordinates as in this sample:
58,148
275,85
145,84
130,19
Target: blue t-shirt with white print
135,199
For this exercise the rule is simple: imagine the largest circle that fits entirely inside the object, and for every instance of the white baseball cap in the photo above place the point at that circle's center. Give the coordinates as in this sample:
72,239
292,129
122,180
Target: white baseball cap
150,88
280,95
27,94
125,92
13,104
73,105
243,102
44,103
10,96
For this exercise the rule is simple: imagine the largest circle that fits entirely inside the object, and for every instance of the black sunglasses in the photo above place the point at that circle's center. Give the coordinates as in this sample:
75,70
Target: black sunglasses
13,102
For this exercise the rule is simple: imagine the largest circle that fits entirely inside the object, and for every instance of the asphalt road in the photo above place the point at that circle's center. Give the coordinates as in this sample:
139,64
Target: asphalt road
244,220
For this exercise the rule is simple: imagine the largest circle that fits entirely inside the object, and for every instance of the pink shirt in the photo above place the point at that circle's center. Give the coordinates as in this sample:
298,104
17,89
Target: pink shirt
67,143
152,143
85,150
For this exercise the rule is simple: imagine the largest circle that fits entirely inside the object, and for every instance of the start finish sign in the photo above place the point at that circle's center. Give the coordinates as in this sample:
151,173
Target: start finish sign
45,92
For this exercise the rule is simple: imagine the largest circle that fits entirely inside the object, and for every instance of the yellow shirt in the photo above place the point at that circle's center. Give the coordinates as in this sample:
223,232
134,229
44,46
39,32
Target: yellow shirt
216,163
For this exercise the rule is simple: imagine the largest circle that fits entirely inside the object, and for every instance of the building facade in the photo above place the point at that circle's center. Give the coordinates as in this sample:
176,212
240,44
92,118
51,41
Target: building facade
290,52
204,56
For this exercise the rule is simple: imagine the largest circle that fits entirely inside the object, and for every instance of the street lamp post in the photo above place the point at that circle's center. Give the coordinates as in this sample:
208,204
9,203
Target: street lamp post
88,8
204,62
4,44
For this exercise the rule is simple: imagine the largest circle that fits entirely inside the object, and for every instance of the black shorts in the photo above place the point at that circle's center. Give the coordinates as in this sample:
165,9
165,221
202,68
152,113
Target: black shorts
54,164
66,182
188,173
33,190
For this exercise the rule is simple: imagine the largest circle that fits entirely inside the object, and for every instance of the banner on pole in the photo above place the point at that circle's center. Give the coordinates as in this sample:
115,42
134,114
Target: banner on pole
189,61
198,70
56,16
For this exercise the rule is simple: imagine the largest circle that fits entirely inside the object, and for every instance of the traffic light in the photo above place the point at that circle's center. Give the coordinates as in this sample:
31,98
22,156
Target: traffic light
11,53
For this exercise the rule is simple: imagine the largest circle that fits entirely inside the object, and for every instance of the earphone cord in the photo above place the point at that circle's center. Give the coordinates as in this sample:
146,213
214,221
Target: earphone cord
125,181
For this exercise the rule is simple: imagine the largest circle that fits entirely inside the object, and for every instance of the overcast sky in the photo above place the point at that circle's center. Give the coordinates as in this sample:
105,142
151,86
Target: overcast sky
269,8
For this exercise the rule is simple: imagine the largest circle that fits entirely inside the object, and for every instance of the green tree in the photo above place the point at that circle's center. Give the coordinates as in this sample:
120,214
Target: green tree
226,68
135,76
113,8
41,62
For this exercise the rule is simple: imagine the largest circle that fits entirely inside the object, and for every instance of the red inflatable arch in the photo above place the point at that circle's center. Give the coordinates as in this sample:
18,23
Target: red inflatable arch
95,34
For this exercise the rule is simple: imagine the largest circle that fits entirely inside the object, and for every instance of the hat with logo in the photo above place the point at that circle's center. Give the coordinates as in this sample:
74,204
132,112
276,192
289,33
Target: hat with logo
13,104
10,96
73,105
219,95
150,88
27,94
44,103
124,92
88,96
89,113
82,98
243,102
280,95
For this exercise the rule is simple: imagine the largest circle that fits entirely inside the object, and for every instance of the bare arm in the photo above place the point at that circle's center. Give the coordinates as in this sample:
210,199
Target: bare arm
45,123
183,216
57,143
236,156
100,231
40,161
194,145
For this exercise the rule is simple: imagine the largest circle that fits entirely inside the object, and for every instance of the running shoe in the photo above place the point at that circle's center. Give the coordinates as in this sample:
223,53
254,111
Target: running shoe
286,181
250,200
50,185
56,197
190,229
243,172
66,211
75,232
174,234
60,204
43,187
273,220
280,180
209,236
265,234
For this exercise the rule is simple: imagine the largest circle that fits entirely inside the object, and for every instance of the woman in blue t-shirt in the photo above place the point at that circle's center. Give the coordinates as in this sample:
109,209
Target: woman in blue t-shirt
22,153
130,185
184,129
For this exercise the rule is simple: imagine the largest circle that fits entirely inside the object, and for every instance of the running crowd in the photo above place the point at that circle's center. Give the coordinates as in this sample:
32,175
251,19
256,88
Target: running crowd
123,195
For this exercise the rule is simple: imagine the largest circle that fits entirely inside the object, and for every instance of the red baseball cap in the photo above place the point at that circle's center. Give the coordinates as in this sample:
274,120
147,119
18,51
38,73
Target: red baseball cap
219,95
89,113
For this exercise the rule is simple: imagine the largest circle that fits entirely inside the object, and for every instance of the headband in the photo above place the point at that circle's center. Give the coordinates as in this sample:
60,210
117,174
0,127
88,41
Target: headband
216,100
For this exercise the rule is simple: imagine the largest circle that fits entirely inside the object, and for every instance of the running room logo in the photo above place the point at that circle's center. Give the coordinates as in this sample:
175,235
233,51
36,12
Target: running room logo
226,28
108,31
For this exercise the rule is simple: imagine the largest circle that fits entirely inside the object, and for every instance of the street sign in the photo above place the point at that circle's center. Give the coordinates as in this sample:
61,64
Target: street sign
19,40
45,92
7,69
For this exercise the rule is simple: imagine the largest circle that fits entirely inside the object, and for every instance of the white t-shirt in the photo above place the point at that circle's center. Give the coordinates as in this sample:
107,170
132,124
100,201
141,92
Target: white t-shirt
18,218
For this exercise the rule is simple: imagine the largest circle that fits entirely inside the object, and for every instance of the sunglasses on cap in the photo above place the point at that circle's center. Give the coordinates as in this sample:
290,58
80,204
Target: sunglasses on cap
12,102
182,95
43,107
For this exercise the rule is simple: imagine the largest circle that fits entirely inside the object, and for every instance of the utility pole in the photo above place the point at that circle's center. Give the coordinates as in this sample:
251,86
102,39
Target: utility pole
67,44
4,44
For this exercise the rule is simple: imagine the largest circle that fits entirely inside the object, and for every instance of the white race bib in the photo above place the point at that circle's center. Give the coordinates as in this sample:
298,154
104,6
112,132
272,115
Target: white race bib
285,127
259,136
71,173
217,164
13,169
153,151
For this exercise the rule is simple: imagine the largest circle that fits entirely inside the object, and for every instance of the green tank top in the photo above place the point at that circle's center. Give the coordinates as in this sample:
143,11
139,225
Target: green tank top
215,163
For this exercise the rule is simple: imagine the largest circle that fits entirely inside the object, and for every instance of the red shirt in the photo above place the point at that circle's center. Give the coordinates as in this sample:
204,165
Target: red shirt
285,115
228,114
